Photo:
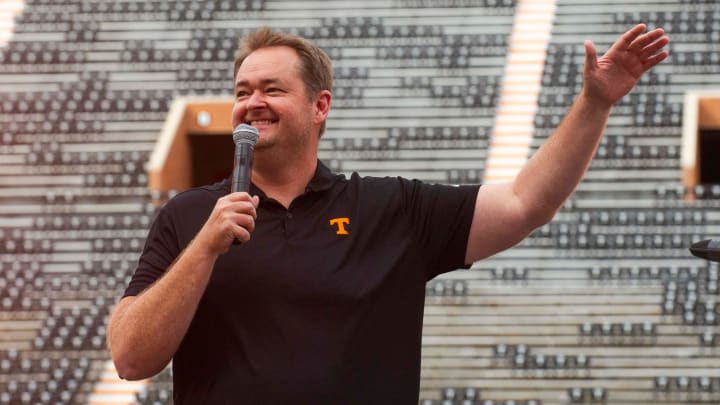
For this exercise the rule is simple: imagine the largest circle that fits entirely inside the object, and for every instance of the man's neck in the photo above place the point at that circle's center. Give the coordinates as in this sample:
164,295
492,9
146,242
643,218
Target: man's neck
283,181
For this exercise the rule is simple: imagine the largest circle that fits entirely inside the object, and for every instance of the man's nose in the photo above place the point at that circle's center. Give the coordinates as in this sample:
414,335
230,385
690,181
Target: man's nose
256,100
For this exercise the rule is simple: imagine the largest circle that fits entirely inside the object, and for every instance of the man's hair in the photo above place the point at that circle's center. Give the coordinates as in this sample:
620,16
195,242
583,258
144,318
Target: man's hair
315,66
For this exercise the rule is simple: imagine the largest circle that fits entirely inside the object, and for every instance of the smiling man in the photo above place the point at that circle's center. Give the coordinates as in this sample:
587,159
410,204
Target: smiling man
280,95
322,302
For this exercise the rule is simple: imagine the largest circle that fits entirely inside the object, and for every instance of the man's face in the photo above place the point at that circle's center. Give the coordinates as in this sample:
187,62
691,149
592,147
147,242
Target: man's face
270,95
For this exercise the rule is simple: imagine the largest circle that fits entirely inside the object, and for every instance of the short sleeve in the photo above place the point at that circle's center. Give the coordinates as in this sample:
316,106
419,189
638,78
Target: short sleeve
160,251
441,216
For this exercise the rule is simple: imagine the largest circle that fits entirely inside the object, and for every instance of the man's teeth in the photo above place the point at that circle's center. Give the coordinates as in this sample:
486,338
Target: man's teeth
262,122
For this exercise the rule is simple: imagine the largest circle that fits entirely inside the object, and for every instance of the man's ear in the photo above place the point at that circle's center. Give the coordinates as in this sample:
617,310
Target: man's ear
322,106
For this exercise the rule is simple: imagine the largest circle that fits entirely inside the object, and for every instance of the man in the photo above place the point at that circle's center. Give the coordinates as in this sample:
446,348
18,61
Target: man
322,302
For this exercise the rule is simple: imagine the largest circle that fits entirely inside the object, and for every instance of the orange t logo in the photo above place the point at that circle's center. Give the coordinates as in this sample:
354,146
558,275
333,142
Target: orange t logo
340,222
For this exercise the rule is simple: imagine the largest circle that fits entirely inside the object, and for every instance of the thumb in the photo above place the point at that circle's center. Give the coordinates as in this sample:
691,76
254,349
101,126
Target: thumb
255,201
590,55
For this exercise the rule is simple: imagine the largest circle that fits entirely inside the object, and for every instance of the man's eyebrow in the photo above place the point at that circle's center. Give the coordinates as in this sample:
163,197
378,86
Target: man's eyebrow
263,82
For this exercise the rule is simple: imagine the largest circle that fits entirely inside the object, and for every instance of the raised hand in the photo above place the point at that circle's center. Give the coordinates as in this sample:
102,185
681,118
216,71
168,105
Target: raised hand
609,78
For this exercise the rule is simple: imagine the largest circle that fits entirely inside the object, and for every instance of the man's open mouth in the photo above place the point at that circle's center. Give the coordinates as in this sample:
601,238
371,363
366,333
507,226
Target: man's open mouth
256,123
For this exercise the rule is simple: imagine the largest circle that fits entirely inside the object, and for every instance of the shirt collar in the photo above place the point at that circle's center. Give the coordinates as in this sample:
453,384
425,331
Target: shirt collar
323,178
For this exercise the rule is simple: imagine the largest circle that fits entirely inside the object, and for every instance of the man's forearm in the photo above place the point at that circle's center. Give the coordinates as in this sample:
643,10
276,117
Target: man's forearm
552,174
145,331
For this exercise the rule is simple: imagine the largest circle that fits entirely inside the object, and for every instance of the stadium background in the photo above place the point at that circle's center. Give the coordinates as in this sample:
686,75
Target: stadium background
602,305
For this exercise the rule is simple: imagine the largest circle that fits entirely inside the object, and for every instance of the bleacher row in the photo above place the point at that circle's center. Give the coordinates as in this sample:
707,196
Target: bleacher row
610,277
602,305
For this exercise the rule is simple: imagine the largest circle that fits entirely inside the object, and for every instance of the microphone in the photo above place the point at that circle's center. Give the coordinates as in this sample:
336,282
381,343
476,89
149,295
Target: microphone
708,249
245,138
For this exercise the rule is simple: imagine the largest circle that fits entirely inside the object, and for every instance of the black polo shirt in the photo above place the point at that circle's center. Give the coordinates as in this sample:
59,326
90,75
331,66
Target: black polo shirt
324,304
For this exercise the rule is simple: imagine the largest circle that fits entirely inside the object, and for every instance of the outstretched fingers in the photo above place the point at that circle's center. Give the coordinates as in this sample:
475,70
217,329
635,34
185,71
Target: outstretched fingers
646,47
646,39
652,53
630,36
654,47
654,60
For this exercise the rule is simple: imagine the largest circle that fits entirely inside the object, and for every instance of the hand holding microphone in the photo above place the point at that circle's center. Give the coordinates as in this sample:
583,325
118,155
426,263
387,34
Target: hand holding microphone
233,217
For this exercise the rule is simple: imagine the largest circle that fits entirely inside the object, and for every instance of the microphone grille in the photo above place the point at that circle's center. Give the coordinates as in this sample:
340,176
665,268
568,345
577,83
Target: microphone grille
246,134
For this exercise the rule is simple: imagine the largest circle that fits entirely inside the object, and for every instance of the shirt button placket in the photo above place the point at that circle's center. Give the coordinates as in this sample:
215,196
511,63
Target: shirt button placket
286,223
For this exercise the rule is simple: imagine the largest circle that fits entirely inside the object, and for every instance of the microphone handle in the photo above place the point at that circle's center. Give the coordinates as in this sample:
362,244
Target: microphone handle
242,169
